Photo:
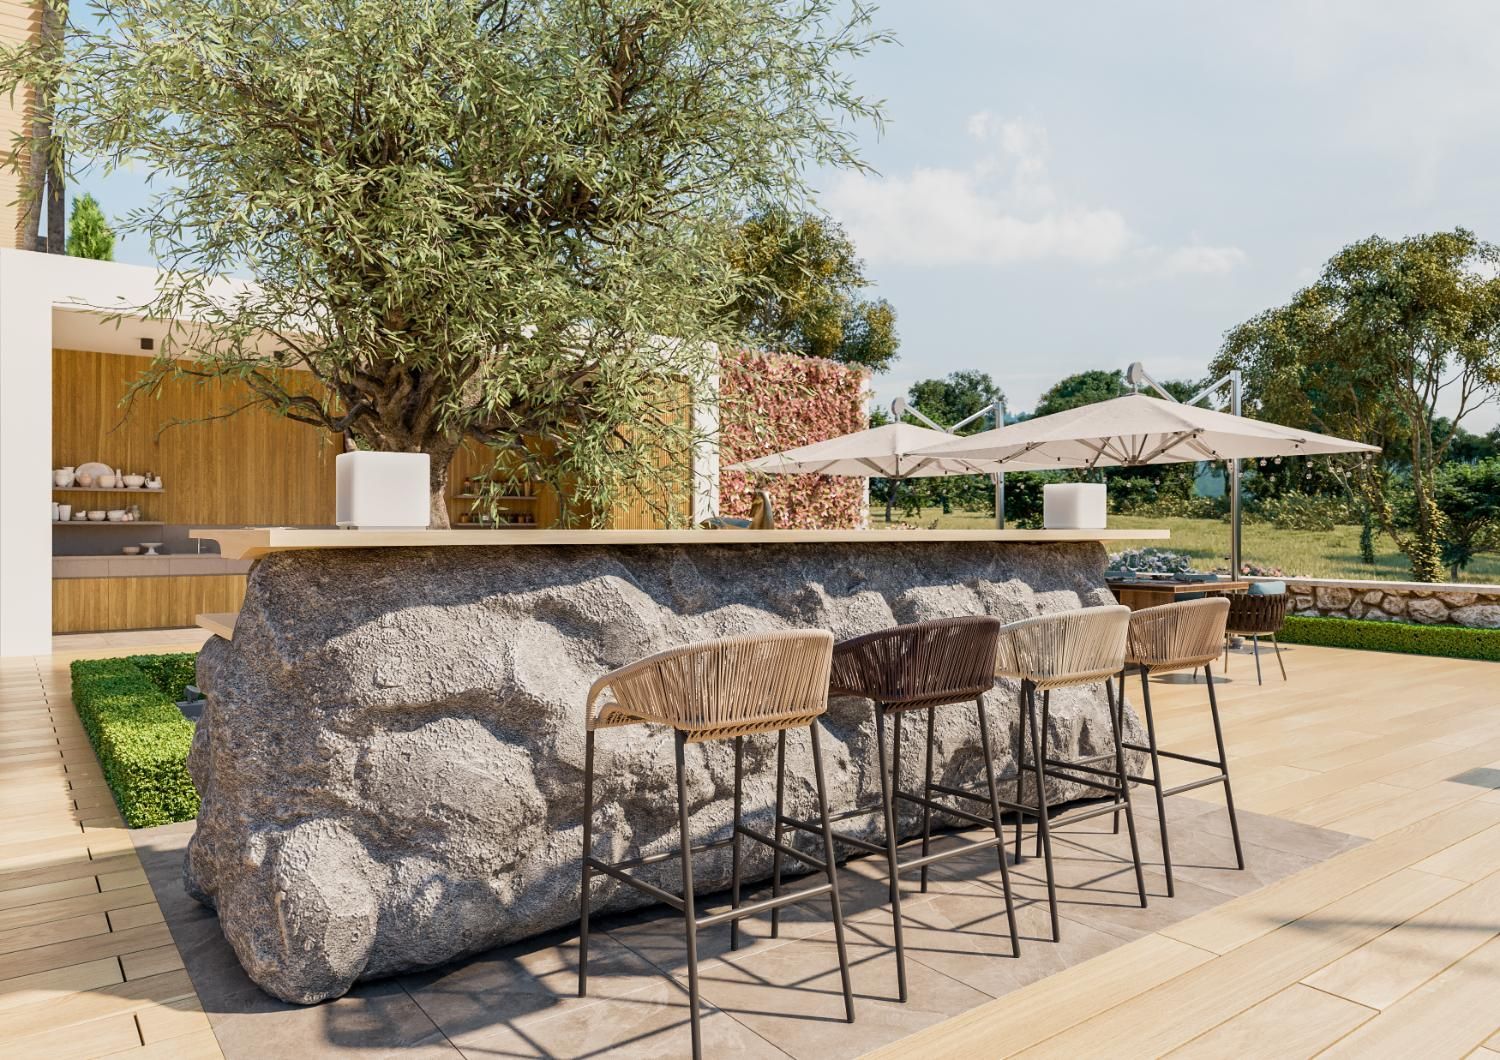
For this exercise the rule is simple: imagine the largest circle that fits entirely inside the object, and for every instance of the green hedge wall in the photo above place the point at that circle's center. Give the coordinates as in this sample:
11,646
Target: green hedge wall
1453,642
139,736
170,673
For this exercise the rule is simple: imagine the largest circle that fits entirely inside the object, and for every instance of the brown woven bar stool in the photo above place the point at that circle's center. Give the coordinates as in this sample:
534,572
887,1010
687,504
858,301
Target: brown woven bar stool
921,666
717,690
1255,616
1175,637
1079,647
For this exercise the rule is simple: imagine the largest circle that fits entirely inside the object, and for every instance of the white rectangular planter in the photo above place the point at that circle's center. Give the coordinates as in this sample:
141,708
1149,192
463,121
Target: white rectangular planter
383,491
1074,506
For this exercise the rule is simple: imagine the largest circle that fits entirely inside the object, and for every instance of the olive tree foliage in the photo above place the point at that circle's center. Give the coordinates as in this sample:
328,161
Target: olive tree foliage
1391,330
467,219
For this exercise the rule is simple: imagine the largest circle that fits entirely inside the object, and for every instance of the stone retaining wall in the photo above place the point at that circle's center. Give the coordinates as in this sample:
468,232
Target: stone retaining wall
1434,604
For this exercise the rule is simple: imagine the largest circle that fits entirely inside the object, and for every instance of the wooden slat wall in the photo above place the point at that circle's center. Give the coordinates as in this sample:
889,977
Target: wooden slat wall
87,605
253,468
20,20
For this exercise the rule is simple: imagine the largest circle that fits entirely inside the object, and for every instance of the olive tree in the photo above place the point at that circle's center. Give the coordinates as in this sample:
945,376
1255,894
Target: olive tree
1390,332
466,219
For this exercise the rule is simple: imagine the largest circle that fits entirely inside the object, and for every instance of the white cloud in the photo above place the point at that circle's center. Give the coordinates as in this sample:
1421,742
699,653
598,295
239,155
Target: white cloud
1003,209
1203,261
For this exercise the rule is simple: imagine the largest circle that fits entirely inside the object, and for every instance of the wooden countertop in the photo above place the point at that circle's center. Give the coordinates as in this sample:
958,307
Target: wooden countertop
253,542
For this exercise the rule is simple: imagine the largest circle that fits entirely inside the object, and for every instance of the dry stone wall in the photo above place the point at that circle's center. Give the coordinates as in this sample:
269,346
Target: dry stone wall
1449,604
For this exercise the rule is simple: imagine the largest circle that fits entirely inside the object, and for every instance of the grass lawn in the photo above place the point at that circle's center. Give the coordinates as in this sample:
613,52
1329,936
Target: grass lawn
1309,553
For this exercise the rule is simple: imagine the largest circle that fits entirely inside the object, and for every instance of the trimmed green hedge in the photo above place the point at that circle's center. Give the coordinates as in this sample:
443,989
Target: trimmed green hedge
1453,642
170,673
139,736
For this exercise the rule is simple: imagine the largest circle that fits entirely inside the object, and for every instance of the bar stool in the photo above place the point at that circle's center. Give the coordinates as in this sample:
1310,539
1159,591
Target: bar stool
1255,615
921,666
1079,647
1164,639
717,690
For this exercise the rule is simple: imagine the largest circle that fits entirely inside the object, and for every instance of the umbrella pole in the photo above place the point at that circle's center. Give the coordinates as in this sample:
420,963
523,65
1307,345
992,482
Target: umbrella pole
999,500
1234,485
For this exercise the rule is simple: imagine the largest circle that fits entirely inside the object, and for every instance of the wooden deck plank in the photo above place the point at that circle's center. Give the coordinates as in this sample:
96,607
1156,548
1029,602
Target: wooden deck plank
1300,1020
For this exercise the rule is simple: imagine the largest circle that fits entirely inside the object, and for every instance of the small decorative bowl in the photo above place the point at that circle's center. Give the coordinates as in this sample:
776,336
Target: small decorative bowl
134,482
131,550
116,515
97,516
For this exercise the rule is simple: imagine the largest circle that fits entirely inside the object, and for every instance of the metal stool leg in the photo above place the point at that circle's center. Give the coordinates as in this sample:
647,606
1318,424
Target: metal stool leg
1021,745
780,811
588,852
927,797
689,907
1277,645
1161,801
886,783
1234,824
1117,721
734,846
989,773
1255,647
1044,830
832,869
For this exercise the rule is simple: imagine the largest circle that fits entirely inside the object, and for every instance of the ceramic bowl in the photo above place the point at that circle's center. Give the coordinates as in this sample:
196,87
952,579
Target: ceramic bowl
85,480
131,550
116,515
105,482
134,482
154,484
97,516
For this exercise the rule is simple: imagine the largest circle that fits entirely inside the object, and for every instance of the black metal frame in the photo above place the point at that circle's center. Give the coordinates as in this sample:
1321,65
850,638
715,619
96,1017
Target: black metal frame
1255,649
890,773
1221,764
686,904
1041,763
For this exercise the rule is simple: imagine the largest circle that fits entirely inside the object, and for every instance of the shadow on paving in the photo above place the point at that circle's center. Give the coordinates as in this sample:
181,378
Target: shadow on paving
772,997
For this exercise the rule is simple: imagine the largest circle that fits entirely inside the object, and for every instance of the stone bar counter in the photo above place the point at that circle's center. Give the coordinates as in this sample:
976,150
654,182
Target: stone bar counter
391,752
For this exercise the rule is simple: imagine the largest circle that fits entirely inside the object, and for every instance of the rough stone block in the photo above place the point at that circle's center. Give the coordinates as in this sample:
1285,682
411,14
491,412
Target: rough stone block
391,753
1481,616
1428,611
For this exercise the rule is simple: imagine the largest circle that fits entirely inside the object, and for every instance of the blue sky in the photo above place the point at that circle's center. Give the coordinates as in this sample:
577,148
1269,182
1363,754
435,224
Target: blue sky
1080,185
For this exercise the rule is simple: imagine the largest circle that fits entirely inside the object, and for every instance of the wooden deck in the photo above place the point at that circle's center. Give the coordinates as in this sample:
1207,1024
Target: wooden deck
87,966
1391,948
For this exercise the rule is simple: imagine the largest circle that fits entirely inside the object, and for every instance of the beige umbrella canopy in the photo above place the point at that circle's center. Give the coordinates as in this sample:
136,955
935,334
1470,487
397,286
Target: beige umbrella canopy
1133,431
890,451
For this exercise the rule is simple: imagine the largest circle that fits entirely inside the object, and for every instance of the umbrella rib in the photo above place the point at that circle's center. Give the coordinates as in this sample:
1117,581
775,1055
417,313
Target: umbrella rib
1172,443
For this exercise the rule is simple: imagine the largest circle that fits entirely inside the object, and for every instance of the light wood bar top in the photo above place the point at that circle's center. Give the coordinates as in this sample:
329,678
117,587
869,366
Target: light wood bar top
253,542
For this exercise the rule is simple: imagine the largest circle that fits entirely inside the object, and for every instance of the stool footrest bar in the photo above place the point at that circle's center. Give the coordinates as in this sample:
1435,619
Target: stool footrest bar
1177,756
789,851
764,905
1192,784
670,855
838,837
665,897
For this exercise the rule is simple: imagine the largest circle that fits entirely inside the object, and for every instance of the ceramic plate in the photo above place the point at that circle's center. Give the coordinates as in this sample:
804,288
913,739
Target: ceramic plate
93,468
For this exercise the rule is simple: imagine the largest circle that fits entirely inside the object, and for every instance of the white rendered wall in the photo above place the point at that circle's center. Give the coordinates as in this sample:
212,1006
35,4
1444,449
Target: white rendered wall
25,456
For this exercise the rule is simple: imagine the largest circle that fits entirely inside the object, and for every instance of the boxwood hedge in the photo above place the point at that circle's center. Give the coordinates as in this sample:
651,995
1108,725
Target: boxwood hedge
1454,642
139,735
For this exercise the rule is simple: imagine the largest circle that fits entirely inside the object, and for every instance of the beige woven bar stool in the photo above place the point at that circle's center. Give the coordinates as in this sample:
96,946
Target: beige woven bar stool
921,666
1079,647
717,690
1166,639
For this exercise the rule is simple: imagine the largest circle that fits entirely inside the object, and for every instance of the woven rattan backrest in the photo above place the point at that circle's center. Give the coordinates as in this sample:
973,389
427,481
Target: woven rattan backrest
1068,648
1178,636
720,688
1257,614
924,664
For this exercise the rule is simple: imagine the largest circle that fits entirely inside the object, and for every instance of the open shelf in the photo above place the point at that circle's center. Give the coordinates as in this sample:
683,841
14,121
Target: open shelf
502,497
105,522
105,489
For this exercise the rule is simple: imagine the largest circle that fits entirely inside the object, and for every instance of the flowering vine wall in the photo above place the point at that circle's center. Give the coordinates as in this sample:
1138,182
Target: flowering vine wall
773,401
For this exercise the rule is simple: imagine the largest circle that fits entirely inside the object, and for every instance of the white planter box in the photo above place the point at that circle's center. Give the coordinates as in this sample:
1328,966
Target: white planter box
1074,506
383,491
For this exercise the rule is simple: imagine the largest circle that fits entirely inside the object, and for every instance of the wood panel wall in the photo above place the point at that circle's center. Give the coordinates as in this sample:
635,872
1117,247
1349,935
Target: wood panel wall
20,21
252,468
89,605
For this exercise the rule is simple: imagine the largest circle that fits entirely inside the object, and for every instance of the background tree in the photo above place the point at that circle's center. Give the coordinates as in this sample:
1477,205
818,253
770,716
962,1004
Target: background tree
1468,495
89,234
802,293
45,183
466,220
1367,352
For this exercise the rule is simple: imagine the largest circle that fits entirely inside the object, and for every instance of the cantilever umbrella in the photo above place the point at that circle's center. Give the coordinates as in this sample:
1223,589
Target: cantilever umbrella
1135,430
890,451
